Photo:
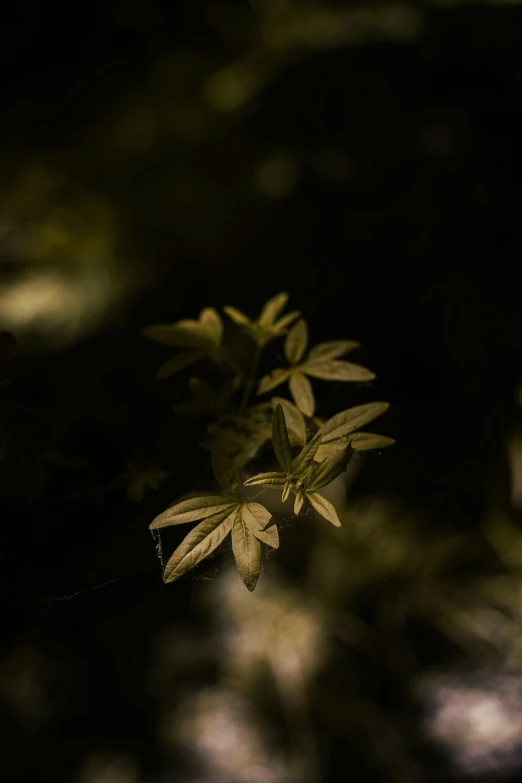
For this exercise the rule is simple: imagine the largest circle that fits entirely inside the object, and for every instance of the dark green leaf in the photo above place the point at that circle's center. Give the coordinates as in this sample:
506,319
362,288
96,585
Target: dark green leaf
281,441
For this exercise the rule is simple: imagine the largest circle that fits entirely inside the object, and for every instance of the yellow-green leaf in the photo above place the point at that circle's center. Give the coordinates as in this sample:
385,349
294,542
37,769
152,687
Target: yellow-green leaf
187,335
351,419
326,450
286,491
332,349
294,421
281,441
178,362
237,316
199,543
191,510
329,469
324,508
332,370
273,479
299,500
211,324
257,518
272,309
296,342
247,551
280,326
301,390
275,378
364,441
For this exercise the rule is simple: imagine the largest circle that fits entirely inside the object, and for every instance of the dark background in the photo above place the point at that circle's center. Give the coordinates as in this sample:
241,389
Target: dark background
391,215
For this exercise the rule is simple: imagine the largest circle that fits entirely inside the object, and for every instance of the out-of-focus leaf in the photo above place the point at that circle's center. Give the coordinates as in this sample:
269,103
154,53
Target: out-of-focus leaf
225,471
306,456
211,324
273,379
237,316
272,309
281,441
201,390
332,370
296,342
329,469
280,326
294,421
247,551
187,336
332,349
364,441
352,419
257,518
302,392
179,362
192,510
270,479
324,508
199,543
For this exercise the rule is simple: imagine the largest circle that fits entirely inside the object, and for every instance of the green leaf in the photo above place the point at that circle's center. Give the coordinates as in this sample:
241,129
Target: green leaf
331,370
280,440
187,334
280,326
211,324
270,479
286,491
364,441
302,392
237,316
225,471
352,419
275,378
257,518
247,551
294,421
327,450
306,456
272,309
324,508
332,349
296,342
329,469
178,362
199,543
299,500
191,510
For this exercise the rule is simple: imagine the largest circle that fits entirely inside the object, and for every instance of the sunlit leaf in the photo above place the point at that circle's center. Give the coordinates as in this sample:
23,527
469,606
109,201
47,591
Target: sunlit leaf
286,491
306,456
294,421
211,324
270,479
332,349
296,342
237,316
281,441
352,419
275,378
298,504
329,469
178,362
331,370
257,518
272,309
364,441
302,392
247,551
199,543
324,508
191,510
326,450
